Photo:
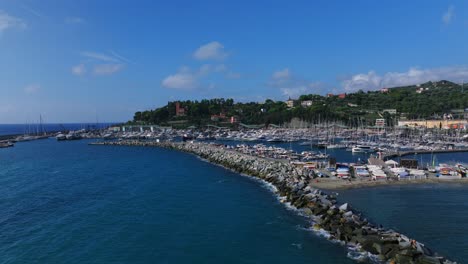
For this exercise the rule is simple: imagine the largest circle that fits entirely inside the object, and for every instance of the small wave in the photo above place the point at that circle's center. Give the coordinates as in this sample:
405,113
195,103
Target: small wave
354,252
300,227
290,207
297,245
359,255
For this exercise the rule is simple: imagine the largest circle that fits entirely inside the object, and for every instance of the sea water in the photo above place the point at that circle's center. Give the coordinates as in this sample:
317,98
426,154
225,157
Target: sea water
434,214
36,128
69,202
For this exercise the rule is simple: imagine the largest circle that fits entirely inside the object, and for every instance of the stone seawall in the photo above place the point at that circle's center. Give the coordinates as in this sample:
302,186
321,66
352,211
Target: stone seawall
340,221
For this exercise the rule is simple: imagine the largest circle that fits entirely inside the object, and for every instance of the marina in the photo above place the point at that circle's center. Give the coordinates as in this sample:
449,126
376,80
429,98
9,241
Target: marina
306,162
383,156
233,132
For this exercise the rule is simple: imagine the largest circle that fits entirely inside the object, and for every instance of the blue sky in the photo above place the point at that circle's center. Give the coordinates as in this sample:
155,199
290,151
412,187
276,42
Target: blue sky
73,61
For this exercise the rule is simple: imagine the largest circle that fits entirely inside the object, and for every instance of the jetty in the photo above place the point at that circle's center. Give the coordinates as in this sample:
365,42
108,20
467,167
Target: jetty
293,185
391,155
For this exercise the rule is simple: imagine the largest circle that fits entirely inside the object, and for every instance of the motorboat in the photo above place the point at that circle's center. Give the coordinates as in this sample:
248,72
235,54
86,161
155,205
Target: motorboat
61,137
362,149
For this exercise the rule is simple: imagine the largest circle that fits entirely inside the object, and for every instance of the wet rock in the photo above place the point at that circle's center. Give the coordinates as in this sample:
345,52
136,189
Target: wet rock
344,207
348,214
307,211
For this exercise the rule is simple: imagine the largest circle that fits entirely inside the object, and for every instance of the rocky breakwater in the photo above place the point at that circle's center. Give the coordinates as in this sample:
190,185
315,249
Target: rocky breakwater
339,221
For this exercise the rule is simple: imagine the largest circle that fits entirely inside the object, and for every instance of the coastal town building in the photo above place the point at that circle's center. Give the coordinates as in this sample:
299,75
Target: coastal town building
444,124
234,120
384,90
219,117
380,122
180,111
306,103
290,103
114,128
390,111
421,89
341,95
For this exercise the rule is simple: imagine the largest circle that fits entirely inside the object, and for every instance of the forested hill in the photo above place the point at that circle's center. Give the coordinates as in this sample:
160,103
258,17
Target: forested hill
427,100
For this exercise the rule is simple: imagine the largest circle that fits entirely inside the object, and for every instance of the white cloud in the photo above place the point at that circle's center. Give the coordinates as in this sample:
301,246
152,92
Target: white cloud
10,22
209,68
183,79
372,81
187,79
32,88
99,56
120,57
33,11
281,74
448,15
300,89
107,69
293,86
363,81
211,51
102,64
74,20
79,69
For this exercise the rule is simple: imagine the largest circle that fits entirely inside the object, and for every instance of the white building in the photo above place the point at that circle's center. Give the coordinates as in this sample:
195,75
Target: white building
290,103
390,111
306,103
380,122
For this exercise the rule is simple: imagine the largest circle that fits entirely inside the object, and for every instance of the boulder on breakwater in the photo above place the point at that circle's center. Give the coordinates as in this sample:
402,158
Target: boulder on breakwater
341,222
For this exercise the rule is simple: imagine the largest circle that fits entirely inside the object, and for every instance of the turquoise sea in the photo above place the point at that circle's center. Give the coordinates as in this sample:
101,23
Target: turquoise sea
68,202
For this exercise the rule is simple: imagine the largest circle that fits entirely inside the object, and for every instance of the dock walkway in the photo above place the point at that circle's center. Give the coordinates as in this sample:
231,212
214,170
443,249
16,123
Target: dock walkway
391,155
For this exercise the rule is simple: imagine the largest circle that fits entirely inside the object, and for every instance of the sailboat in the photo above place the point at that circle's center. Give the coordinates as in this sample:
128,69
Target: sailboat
41,133
432,168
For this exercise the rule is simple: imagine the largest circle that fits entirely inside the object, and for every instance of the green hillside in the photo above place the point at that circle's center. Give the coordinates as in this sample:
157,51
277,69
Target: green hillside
427,100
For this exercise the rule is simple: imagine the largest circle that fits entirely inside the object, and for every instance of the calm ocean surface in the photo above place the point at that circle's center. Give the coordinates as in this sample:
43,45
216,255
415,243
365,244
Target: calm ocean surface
68,202
436,215
13,129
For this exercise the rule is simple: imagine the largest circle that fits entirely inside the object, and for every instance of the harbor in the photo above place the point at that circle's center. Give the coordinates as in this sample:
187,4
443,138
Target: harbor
374,155
233,132
303,167
330,175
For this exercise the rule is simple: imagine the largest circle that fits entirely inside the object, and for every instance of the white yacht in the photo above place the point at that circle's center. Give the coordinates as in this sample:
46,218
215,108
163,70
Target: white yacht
362,149
60,137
